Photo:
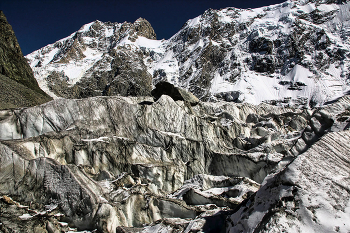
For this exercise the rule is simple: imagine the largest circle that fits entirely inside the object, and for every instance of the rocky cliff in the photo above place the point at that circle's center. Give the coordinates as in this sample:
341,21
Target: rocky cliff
99,59
18,84
296,51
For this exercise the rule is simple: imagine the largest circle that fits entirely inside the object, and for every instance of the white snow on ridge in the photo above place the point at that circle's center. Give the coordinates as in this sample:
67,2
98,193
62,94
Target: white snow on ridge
270,22
169,64
93,49
218,84
100,139
142,42
74,70
86,27
194,22
166,56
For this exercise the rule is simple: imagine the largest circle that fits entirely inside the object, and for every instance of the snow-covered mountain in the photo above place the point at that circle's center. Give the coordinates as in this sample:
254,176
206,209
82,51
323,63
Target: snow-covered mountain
170,162
98,59
296,50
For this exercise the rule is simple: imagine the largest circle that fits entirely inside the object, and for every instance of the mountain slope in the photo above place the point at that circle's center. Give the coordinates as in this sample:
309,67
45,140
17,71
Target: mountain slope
294,52
99,59
18,85
297,49
16,95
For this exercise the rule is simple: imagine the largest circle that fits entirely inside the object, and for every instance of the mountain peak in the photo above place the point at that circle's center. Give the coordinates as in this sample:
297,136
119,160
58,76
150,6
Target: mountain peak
144,28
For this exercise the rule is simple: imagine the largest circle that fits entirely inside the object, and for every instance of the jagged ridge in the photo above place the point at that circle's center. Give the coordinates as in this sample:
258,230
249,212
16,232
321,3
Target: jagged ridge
96,60
294,52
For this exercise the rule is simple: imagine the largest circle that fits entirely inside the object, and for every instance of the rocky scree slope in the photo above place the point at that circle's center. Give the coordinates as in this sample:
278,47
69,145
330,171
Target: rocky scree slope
116,164
18,85
294,52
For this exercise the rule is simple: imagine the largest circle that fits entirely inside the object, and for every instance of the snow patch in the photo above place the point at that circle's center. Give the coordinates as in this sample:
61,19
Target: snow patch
86,27
26,217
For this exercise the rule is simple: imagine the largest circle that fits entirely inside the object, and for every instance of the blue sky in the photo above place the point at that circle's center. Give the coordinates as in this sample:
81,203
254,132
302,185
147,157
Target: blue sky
40,22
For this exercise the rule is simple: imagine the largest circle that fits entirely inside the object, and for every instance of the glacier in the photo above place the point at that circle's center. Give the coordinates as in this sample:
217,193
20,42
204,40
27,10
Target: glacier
238,123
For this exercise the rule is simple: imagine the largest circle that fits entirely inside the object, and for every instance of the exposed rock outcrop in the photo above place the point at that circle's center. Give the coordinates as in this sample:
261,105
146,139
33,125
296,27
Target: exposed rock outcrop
176,93
100,59
18,85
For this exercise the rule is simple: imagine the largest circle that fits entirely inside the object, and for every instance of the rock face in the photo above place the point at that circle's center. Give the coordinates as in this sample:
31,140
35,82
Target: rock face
101,59
295,52
18,85
176,93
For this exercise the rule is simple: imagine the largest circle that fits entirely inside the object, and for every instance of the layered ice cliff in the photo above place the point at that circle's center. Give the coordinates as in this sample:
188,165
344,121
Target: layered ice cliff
119,163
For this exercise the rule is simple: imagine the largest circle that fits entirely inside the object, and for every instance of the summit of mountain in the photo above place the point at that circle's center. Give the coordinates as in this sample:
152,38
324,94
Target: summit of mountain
96,60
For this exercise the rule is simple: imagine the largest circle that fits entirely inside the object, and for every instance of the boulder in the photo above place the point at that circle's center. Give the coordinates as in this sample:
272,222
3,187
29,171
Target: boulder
176,93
